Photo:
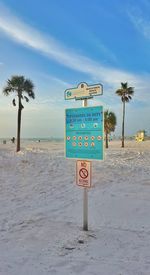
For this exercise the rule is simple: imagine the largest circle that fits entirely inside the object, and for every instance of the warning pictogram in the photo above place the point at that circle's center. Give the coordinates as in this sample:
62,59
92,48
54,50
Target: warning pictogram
83,173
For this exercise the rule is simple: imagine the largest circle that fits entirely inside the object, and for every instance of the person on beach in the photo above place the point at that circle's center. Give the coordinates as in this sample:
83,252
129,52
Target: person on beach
13,140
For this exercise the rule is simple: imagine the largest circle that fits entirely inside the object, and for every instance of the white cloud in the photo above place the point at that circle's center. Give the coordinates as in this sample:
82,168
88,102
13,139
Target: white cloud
56,80
139,21
30,37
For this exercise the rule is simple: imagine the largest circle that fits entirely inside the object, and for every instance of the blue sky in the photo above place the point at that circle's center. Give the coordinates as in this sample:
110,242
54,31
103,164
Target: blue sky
60,43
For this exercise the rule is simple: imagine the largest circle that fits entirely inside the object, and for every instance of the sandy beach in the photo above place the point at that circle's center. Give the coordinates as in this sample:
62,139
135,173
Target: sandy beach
41,212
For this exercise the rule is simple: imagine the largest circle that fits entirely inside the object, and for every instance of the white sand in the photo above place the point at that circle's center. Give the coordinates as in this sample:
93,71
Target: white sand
41,212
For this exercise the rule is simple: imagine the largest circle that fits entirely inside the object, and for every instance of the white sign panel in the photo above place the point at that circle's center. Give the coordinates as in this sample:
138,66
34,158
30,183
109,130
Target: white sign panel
84,91
83,173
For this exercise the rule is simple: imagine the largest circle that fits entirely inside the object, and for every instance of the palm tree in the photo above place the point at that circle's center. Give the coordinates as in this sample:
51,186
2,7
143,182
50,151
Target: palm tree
19,85
109,124
125,93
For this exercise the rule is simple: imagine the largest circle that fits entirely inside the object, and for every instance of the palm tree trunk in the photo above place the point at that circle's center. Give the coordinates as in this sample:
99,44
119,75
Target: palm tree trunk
106,140
123,119
19,125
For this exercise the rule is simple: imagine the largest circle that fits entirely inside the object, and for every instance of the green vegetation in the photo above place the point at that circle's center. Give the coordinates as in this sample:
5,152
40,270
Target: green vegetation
109,124
125,93
19,85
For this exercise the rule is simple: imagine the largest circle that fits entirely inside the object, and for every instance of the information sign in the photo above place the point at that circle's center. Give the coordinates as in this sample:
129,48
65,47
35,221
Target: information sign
83,171
84,133
84,91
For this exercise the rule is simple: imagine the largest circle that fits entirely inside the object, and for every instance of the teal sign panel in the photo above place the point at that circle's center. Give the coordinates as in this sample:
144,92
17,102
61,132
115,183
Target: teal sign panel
84,133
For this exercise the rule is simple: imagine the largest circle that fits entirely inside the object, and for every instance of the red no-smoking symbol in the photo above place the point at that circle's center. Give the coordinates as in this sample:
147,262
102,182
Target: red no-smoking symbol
83,173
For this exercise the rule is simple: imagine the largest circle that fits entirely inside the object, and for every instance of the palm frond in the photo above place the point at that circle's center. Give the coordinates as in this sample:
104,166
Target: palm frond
29,88
119,92
110,121
124,85
31,94
19,85
125,92
6,90
26,98
14,102
126,99
16,82
130,90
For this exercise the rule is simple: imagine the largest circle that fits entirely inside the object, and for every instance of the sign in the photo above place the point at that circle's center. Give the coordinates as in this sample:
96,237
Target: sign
83,173
84,91
84,133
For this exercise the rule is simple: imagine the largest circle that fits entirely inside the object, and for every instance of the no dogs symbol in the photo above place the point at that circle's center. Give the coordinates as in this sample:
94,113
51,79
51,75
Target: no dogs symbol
83,173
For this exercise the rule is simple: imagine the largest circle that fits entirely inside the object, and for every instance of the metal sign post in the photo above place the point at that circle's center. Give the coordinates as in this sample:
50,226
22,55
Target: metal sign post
85,193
